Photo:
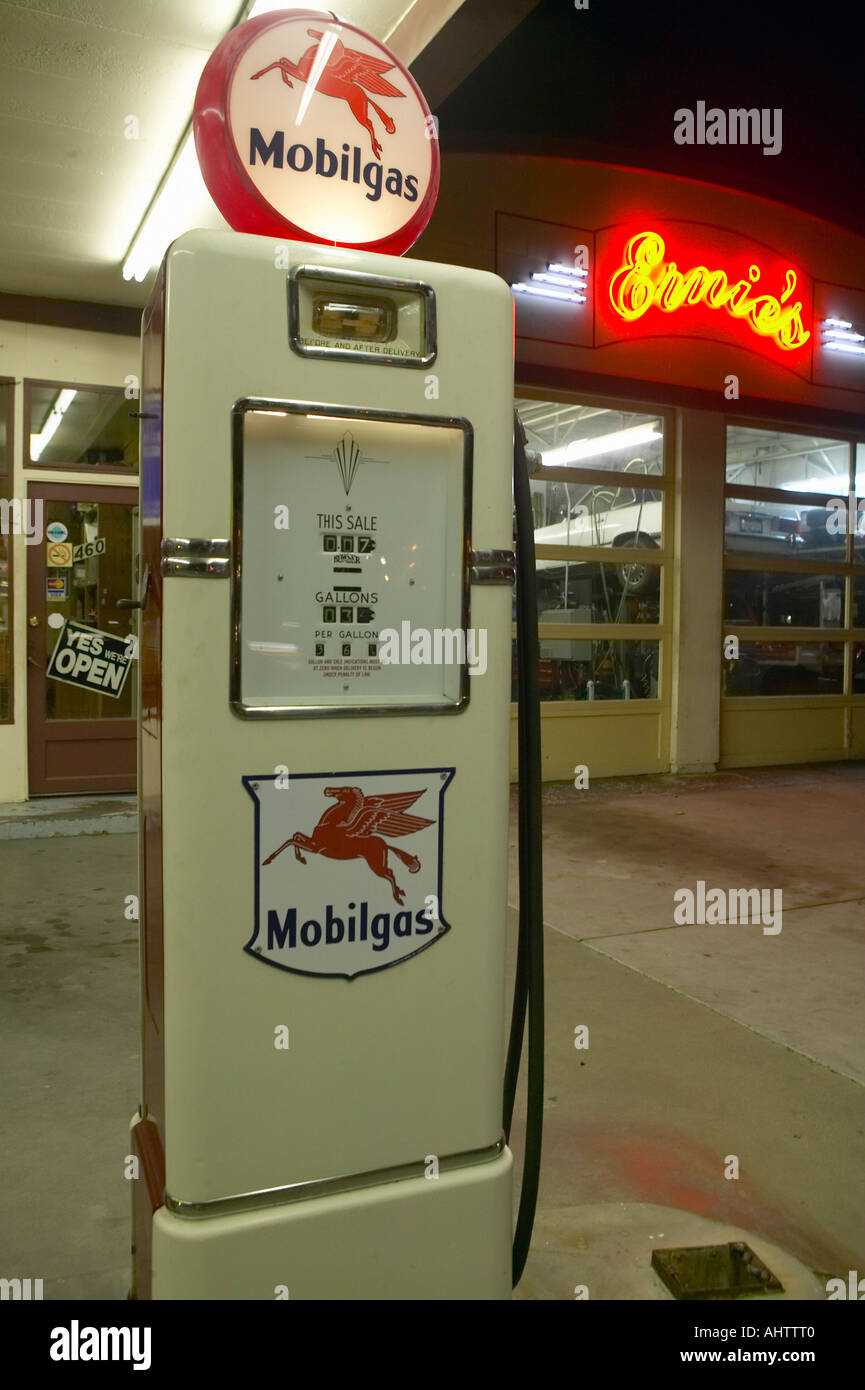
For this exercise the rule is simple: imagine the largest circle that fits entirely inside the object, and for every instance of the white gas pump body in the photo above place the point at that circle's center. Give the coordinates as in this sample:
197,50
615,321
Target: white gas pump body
322,1116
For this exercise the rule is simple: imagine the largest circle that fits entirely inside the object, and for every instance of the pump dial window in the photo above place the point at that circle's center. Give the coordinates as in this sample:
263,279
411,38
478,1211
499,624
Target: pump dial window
360,317
377,555
367,320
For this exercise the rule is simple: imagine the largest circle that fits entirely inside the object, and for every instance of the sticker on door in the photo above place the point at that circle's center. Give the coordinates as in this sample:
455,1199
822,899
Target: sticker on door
57,587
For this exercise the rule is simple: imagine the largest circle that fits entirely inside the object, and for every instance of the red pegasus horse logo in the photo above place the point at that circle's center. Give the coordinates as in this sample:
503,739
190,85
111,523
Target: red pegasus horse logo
344,74
345,831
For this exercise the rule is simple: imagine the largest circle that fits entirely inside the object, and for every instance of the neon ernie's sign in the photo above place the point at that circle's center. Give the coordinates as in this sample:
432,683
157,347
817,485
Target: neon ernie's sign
645,279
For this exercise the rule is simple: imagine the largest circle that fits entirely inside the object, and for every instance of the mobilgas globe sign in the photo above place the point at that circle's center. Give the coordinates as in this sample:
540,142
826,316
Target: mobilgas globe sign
308,128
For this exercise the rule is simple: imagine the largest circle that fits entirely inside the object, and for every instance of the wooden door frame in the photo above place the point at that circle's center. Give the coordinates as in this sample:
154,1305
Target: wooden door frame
71,729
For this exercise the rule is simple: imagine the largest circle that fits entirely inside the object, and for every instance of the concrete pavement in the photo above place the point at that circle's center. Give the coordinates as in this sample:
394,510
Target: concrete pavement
711,1049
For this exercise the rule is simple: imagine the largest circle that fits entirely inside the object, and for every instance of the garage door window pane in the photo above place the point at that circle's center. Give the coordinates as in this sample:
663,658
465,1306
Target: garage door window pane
595,670
569,514
786,668
590,436
859,523
768,528
764,599
586,593
791,462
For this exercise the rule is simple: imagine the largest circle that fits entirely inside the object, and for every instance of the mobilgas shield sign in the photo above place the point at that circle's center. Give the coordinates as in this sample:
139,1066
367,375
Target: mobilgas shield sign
306,127
348,868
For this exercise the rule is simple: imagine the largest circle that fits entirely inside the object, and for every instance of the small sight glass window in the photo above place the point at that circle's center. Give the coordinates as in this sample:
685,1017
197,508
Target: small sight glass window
363,319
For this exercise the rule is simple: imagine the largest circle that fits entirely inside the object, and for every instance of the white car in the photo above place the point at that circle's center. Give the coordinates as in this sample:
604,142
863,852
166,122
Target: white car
620,517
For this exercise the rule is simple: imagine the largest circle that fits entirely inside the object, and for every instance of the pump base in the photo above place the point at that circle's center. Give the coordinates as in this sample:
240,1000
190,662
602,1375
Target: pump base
423,1238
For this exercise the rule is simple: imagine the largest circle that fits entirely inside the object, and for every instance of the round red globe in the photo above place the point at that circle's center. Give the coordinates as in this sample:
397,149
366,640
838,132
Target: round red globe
362,78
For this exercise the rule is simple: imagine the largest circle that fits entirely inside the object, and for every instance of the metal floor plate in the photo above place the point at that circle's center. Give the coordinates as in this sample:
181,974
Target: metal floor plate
714,1271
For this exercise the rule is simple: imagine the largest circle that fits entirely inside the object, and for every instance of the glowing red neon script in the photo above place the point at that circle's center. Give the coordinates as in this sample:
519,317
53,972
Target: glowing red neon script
645,279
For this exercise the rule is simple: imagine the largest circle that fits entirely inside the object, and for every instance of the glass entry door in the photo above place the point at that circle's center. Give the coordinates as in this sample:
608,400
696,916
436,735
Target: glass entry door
80,740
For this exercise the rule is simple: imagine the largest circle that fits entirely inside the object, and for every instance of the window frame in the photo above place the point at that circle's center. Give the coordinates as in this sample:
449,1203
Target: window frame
116,470
7,475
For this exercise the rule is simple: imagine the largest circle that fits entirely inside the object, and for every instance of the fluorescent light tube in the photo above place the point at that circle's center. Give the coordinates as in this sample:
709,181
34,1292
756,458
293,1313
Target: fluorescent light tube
601,444
49,429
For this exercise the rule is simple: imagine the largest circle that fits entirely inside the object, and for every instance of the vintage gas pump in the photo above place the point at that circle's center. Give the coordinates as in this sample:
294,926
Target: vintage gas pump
325,697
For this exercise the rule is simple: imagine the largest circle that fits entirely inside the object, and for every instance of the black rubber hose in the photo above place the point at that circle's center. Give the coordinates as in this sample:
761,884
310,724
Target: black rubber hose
529,983
518,1011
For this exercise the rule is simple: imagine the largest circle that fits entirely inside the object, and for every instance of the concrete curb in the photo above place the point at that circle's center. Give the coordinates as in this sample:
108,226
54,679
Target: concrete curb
68,815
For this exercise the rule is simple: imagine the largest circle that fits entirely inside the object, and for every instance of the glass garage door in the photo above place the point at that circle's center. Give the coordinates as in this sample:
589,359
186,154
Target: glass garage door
794,598
599,495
